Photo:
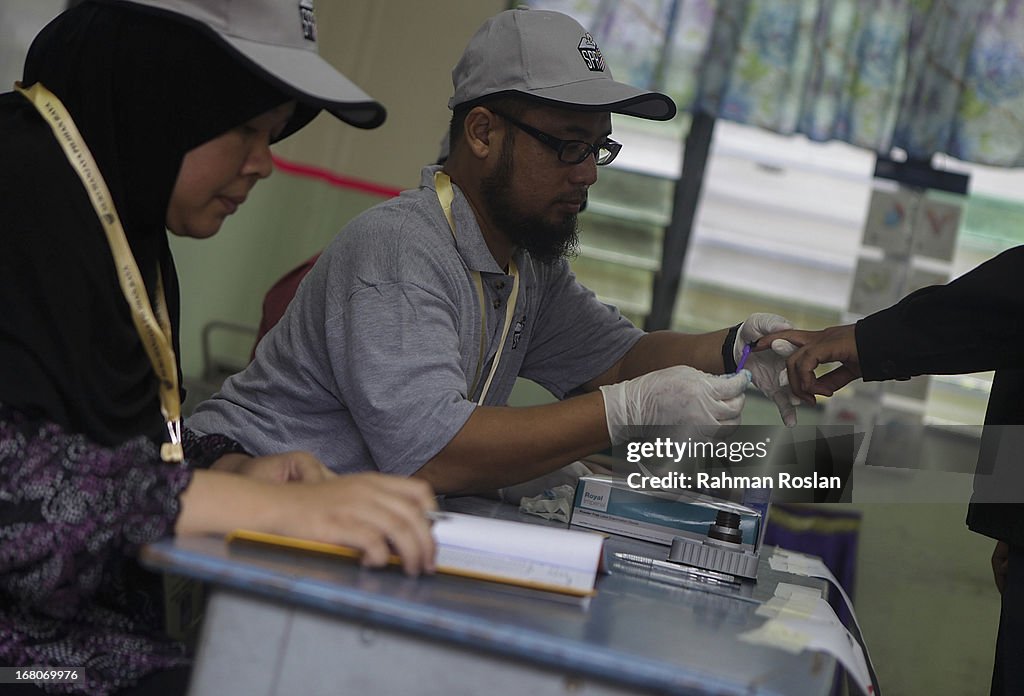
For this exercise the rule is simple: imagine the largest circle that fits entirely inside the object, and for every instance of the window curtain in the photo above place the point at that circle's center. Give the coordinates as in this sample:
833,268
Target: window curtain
926,76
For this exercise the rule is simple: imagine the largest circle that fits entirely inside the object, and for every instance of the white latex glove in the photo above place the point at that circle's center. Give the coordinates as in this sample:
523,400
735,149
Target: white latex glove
567,475
700,403
768,367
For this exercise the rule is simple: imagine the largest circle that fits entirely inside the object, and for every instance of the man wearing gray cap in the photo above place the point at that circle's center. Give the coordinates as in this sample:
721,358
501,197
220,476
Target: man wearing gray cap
403,344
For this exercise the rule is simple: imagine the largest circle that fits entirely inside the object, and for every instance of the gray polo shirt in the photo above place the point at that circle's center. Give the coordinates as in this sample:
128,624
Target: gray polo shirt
371,365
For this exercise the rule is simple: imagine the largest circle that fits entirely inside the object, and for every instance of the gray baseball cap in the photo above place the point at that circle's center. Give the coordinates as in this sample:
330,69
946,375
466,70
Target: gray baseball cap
550,57
278,38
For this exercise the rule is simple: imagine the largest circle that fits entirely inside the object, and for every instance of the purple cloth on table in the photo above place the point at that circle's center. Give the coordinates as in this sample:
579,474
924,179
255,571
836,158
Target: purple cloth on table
824,531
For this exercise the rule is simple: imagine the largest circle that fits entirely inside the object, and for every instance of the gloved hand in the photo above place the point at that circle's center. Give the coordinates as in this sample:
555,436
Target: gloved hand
700,403
768,367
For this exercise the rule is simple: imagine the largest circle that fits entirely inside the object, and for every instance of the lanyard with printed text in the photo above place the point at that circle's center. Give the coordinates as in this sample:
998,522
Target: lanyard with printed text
445,196
153,327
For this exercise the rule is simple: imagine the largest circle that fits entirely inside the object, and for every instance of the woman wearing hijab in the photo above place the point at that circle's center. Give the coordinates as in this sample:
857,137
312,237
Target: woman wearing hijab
175,110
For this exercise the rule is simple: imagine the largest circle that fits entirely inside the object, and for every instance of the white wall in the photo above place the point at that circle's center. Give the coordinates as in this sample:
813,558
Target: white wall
20,21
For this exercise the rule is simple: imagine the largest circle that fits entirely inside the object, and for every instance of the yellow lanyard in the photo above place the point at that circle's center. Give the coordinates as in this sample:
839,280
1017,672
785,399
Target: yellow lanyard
445,196
154,328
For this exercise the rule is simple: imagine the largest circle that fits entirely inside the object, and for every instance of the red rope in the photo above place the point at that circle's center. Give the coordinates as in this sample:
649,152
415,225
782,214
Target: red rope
335,179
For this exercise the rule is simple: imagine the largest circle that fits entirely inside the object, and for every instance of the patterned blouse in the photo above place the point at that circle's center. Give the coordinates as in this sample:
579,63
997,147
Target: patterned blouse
72,516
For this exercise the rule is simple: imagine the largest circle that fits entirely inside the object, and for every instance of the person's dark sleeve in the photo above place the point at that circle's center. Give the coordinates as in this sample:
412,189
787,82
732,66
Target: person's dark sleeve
973,323
69,506
201,451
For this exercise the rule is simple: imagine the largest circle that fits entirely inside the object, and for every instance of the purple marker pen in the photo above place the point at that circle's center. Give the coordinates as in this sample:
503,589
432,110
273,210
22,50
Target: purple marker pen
743,356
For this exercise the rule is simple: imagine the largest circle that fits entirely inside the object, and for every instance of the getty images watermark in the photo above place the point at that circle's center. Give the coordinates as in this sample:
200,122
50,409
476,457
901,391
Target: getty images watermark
711,465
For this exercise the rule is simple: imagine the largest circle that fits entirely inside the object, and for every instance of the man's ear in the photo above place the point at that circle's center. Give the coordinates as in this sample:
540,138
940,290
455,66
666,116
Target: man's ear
480,127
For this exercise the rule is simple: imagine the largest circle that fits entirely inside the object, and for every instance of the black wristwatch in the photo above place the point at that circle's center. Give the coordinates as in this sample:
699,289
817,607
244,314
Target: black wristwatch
728,357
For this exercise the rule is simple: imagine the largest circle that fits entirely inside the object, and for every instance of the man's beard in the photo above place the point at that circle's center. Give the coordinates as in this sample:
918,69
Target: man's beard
546,242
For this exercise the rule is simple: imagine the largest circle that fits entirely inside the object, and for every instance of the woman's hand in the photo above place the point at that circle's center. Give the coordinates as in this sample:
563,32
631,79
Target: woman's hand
276,468
377,514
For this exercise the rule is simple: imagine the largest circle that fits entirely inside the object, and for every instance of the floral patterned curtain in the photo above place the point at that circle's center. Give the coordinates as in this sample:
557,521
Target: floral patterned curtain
927,76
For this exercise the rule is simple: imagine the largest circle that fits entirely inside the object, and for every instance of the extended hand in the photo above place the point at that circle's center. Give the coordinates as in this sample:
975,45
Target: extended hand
834,344
768,367
675,396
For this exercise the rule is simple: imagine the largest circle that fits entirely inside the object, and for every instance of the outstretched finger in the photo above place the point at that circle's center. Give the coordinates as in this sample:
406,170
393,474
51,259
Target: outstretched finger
833,381
800,375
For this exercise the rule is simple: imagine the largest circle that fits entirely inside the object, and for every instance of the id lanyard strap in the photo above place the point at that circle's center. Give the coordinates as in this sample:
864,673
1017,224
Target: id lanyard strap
154,328
445,196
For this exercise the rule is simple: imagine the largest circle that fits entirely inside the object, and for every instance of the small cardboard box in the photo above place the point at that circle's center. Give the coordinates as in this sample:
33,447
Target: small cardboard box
610,505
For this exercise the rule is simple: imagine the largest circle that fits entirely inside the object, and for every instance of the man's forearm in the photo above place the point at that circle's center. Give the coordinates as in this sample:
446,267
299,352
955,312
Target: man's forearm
501,446
661,349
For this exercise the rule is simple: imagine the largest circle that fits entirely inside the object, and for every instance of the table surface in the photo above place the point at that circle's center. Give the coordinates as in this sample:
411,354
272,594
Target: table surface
635,631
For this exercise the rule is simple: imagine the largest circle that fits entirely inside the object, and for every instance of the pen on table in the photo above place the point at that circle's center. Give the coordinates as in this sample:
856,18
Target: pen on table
746,354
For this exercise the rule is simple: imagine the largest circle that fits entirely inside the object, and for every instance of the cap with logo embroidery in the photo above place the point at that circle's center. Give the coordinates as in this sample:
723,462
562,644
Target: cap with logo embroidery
550,57
278,38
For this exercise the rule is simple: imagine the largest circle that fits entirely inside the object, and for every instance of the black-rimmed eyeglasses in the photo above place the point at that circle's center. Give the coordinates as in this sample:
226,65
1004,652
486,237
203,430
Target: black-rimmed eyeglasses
570,151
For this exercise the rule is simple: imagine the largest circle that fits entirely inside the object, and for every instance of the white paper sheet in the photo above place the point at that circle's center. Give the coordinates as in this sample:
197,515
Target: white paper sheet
800,619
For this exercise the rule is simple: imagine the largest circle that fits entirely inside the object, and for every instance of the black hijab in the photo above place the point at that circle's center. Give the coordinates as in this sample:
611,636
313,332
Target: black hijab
143,90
